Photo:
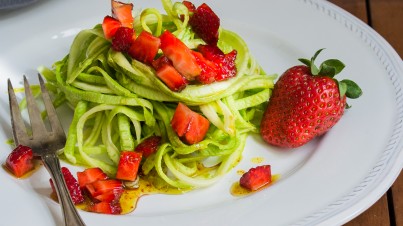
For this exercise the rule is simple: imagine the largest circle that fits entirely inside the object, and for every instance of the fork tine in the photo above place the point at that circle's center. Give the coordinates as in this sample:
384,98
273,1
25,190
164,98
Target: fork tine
38,127
51,112
17,123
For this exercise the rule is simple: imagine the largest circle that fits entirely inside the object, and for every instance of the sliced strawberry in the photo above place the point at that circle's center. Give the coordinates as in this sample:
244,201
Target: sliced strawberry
161,61
20,160
90,175
205,23
180,55
72,185
209,70
123,39
256,177
110,196
100,187
106,208
149,146
123,12
145,47
110,25
197,129
171,77
128,166
189,125
225,62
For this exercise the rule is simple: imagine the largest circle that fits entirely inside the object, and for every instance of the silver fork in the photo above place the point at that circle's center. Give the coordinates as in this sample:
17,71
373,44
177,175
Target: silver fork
44,143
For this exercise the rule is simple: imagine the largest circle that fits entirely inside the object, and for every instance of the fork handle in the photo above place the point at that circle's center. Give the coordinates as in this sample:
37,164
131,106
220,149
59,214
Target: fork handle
70,214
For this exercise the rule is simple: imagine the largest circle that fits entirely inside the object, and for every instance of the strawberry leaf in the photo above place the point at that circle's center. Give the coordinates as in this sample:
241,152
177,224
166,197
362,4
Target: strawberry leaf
342,88
353,91
331,67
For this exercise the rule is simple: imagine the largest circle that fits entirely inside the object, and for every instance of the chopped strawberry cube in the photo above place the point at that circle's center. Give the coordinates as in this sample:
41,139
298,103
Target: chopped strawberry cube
106,208
161,61
123,39
145,47
189,125
171,77
209,70
20,160
128,166
90,175
224,62
205,23
72,185
197,129
148,146
110,25
110,196
123,12
256,177
180,55
181,119
100,187
191,7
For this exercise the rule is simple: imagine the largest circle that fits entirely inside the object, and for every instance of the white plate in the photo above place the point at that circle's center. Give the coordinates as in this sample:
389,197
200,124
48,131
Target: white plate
328,181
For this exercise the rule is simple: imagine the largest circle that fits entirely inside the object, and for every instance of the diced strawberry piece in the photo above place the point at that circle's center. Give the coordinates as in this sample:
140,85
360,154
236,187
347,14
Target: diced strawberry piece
128,166
181,119
145,47
190,6
171,77
161,61
225,62
189,125
100,187
123,12
205,23
148,146
123,39
110,196
20,160
197,129
180,55
72,185
256,177
106,208
90,175
209,70
110,25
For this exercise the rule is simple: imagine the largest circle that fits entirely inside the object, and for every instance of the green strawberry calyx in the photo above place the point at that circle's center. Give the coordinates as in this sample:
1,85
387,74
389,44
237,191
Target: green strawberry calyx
331,68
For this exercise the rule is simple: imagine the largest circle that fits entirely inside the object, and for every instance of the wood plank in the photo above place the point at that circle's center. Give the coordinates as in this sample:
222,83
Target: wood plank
397,195
356,7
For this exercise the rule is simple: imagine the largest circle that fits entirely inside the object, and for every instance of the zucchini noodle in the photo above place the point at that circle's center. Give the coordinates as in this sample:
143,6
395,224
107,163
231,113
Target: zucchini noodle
118,102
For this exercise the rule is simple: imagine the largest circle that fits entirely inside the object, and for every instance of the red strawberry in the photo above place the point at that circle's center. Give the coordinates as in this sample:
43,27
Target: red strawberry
149,145
180,55
106,208
72,185
190,6
90,175
123,39
256,177
225,63
110,196
145,47
20,160
100,187
189,125
123,12
128,166
209,70
169,75
306,103
205,24
110,25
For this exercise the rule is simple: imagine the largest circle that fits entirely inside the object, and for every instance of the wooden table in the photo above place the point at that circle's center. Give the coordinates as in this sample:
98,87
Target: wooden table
386,17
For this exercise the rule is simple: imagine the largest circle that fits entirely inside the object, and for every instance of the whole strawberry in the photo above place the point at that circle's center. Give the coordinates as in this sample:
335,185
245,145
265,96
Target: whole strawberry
306,102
